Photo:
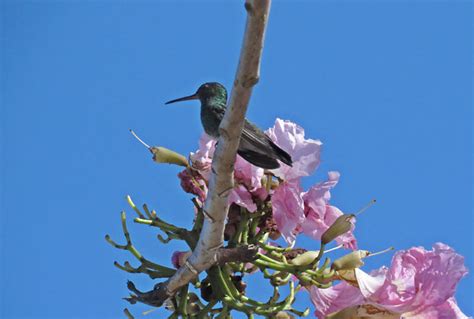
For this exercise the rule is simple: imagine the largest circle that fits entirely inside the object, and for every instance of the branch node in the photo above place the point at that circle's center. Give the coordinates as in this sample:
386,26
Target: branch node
216,247
224,133
226,191
250,81
191,268
208,216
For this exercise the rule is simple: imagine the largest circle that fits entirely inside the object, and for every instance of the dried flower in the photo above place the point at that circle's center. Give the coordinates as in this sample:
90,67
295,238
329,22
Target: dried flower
178,259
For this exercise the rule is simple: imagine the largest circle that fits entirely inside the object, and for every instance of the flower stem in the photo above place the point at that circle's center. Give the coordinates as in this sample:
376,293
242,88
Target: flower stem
183,301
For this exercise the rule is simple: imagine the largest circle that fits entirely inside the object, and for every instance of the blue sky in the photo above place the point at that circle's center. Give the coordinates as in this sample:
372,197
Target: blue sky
386,85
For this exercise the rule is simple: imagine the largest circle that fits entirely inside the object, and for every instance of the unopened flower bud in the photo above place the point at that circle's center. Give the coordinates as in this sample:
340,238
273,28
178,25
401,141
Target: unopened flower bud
206,290
164,155
192,297
229,231
178,259
340,226
274,234
193,308
350,261
239,283
305,258
284,315
293,253
169,304
193,183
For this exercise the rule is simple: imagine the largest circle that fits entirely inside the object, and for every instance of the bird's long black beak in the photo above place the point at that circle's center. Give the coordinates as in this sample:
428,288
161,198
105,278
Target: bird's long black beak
186,98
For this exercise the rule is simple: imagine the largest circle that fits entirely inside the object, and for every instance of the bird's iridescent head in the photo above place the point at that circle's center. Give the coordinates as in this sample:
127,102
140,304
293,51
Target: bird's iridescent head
205,93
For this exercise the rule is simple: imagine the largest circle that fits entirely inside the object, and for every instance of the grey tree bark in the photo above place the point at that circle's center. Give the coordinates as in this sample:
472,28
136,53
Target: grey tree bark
221,179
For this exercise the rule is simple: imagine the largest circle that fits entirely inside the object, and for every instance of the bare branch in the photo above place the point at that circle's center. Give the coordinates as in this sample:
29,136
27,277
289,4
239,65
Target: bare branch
221,180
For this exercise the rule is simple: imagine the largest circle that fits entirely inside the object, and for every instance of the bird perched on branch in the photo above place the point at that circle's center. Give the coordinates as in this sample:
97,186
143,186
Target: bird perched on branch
255,146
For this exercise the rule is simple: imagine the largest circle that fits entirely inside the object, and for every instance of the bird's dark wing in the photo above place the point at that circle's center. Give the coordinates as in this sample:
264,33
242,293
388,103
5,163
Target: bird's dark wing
258,159
256,147
260,147
253,138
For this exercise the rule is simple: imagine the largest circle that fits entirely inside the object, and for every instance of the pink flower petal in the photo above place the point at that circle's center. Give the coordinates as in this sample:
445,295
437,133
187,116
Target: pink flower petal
202,158
319,195
288,209
335,298
241,196
193,184
305,153
260,193
248,174
244,172
369,284
447,310
320,215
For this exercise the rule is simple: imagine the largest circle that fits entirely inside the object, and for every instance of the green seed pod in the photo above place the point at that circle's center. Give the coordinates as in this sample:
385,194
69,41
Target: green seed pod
350,261
305,258
340,226
164,155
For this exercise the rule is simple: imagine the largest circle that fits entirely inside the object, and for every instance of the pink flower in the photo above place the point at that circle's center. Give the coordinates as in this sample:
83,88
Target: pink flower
260,193
304,152
245,174
202,158
318,196
288,209
193,184
420,284
241,196
418,280
248,174
320,215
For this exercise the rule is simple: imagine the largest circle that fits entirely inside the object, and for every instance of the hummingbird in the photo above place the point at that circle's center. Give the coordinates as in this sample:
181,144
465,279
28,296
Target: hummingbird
254,146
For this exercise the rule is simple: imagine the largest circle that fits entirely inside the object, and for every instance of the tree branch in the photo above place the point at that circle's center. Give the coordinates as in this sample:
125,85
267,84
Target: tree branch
158,295
240,254
221,180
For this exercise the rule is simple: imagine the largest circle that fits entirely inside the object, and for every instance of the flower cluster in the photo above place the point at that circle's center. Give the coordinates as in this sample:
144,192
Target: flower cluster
294,211
264,205
419,284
